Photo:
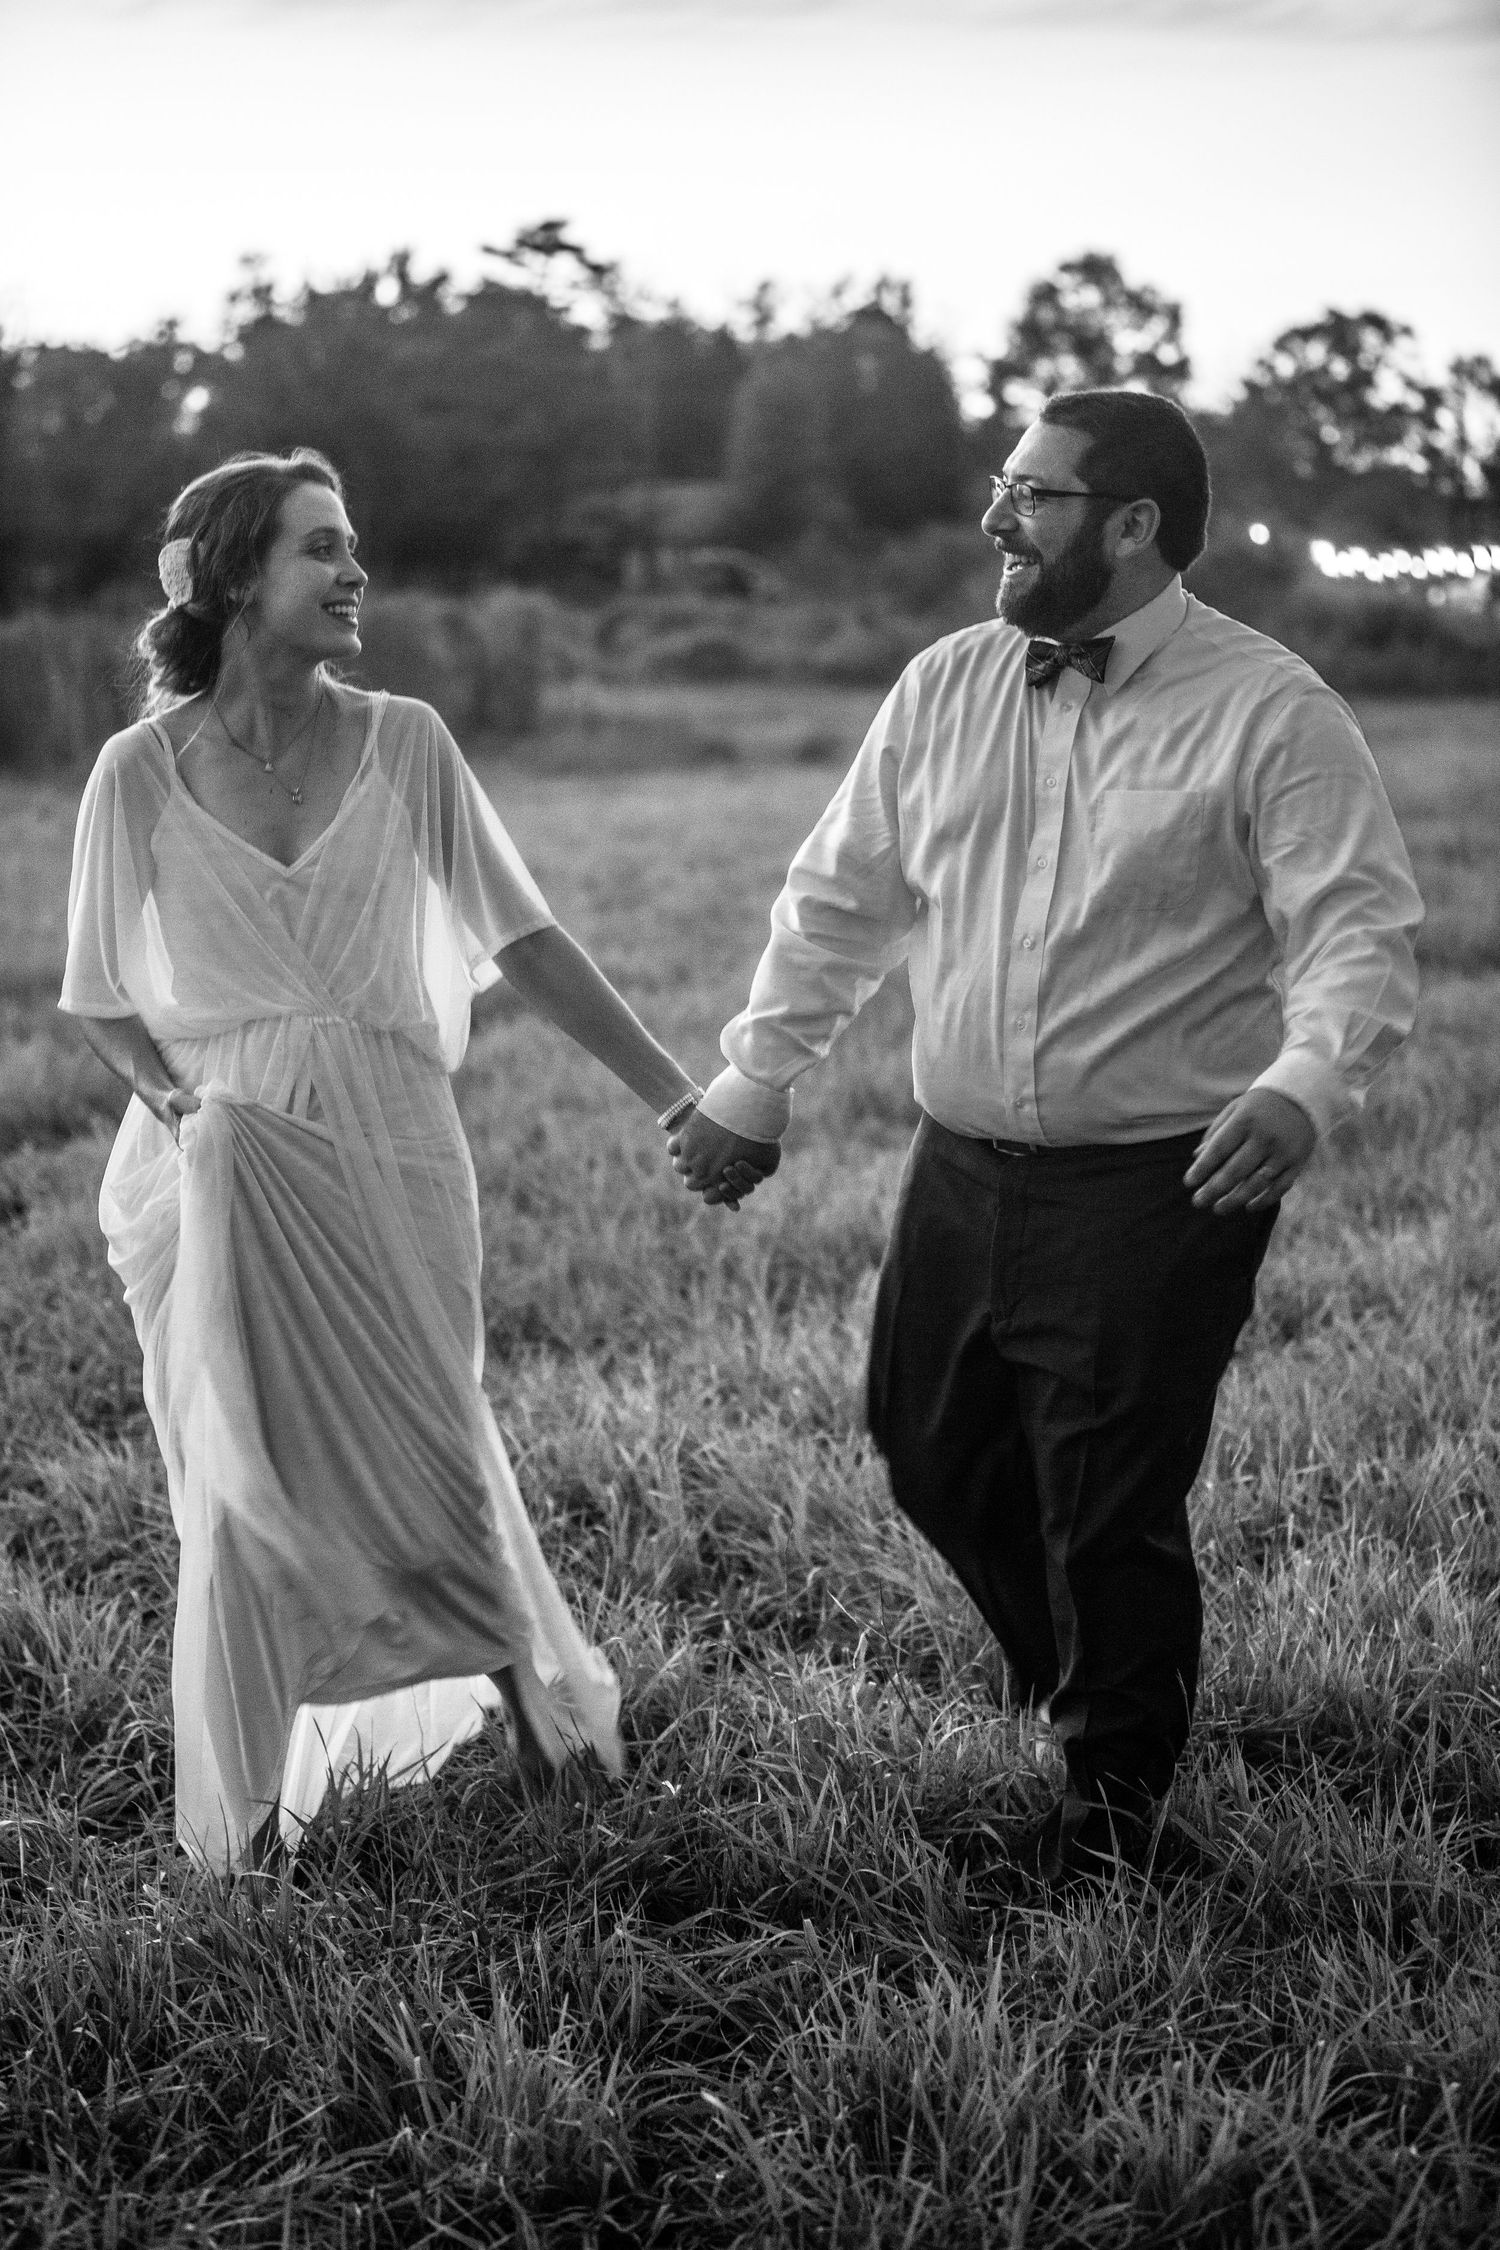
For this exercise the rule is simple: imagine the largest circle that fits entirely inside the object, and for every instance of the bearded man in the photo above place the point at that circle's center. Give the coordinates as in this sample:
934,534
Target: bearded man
1158,920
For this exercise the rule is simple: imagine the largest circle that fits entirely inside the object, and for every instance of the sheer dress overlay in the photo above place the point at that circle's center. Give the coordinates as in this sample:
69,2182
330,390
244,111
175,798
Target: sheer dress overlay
303,1273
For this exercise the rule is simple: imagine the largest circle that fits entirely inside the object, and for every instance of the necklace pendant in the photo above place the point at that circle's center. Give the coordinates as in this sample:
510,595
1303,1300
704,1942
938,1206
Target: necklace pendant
269,766
296,796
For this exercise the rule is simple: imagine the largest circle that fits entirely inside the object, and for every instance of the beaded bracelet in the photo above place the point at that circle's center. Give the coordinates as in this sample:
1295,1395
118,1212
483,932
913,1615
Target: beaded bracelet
680,1108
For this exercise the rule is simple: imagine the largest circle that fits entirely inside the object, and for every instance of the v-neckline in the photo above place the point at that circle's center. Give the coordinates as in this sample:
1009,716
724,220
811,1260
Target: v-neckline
283,866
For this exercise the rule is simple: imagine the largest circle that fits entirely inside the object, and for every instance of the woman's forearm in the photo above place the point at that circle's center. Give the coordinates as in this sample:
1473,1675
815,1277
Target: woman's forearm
553,975
125,1046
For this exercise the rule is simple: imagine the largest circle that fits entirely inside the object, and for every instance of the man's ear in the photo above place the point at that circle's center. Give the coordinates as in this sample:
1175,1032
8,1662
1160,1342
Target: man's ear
1139,524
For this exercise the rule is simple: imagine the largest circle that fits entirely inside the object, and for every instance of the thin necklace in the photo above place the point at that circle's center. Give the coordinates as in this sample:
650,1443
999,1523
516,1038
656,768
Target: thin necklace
269,765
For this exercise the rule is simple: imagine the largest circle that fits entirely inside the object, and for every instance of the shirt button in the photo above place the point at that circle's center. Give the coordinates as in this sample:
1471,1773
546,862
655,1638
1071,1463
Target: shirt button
1027,943
1051,781
1020,1023
1041,859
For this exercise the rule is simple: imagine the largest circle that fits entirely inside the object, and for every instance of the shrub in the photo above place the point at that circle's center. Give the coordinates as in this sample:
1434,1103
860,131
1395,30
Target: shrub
478,661
943,569
64,688
867,650
700,653
1363,640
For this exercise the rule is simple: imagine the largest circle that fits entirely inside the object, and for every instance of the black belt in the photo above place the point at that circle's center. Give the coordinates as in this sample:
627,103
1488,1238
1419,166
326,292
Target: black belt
1115,1153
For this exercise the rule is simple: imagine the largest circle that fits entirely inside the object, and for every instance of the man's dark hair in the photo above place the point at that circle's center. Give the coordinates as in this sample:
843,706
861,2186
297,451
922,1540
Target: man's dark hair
1144,445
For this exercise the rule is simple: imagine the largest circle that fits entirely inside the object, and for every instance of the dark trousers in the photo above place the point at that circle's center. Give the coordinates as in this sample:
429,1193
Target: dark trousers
1049,1335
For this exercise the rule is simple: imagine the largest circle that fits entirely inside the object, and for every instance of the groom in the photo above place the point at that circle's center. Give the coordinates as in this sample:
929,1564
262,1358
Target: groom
1158,922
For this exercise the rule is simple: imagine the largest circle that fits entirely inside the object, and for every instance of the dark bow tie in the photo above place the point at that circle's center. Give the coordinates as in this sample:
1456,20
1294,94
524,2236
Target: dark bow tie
1045,659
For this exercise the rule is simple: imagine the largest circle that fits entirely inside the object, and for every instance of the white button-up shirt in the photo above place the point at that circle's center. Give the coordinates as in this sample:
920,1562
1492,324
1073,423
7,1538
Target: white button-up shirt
1121,903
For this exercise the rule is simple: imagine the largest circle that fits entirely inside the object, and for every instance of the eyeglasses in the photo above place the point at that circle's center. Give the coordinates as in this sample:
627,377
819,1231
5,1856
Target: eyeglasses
1023,495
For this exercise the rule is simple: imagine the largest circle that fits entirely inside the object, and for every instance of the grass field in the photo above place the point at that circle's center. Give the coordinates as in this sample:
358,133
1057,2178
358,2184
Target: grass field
765,1992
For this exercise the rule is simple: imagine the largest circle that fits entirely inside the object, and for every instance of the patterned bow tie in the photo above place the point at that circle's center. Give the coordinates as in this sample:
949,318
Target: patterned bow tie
1045,659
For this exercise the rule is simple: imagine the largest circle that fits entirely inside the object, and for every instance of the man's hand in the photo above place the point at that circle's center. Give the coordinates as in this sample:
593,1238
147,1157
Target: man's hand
1251,1153
721,1166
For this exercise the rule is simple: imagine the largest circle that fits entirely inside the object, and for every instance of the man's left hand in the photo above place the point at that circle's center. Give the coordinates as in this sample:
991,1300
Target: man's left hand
1251,1153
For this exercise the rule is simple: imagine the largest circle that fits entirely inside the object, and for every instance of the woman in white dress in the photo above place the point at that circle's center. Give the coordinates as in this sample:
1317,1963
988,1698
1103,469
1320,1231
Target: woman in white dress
285,892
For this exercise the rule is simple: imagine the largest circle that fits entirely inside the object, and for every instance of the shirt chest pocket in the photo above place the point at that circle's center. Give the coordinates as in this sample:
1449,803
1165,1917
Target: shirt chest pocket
1144,847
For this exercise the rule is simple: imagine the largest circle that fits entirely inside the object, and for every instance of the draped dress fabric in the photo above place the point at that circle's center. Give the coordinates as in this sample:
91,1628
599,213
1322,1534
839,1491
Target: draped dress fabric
303,1273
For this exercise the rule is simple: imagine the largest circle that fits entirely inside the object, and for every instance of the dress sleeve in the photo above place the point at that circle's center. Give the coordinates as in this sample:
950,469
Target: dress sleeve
491,896
109,970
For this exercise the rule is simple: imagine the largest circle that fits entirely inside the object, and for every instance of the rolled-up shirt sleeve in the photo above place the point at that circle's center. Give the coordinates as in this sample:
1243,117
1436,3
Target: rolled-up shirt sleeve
1343,907
843,921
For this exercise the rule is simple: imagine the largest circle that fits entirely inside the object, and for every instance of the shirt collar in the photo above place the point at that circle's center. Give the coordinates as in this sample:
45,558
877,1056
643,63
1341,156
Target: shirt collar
1143,632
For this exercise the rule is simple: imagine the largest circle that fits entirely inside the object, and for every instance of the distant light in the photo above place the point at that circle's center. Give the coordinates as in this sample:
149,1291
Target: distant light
1495,558
190,409
1403,559
1322,552
1447,557
1464,565
1260,534
1482,557
1418,567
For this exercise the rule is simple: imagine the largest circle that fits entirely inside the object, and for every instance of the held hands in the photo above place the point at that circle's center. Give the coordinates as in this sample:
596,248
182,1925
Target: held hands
721,1166
1251,1153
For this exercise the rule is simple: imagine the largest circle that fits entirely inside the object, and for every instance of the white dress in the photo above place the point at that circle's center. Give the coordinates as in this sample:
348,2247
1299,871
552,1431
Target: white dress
303,1273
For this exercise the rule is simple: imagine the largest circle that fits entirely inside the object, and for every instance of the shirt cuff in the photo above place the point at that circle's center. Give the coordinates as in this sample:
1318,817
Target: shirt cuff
742,1105
1316,1088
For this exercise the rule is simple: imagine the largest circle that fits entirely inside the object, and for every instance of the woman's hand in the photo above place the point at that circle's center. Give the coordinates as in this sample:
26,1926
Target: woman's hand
169,1106
124,1046
721,1166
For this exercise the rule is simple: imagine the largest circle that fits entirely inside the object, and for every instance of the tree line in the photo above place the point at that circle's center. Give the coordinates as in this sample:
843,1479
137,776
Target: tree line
546,424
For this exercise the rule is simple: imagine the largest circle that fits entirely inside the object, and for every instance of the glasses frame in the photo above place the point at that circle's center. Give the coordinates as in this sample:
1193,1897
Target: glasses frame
1003,487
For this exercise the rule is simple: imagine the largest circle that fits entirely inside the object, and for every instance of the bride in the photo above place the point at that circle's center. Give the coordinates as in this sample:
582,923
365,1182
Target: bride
285,892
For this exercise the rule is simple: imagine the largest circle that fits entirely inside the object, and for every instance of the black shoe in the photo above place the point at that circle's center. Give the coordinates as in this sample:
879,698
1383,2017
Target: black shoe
1079,1846
1177,1856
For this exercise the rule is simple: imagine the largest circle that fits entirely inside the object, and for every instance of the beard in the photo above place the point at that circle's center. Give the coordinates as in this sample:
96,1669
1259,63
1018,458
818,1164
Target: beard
1060,592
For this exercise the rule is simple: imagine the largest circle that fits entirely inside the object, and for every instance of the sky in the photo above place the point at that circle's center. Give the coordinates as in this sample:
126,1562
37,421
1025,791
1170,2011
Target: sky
1257,160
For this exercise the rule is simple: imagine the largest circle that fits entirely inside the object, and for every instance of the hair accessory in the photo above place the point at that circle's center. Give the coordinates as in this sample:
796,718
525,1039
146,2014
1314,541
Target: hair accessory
174,568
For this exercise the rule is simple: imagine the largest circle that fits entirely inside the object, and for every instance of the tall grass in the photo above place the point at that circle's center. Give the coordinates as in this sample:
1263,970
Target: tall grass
68,681
65,684
487,659
777,1987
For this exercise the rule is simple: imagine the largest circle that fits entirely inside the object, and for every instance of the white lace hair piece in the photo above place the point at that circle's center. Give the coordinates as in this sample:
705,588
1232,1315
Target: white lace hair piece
175,570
